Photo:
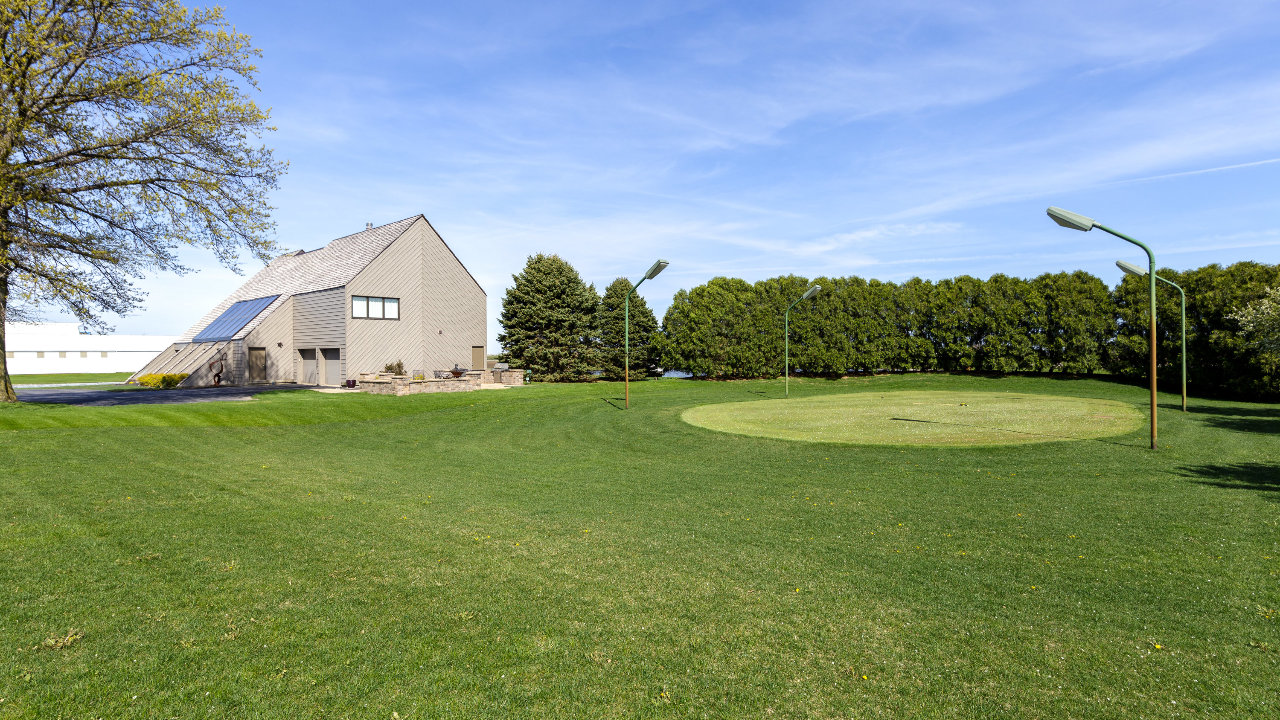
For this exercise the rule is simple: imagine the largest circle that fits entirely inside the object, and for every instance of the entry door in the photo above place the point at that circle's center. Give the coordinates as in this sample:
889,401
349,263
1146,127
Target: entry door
257,365
477,357
331,370
308,366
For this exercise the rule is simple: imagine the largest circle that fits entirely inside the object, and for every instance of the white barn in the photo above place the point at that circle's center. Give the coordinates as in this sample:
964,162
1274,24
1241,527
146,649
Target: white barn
60,347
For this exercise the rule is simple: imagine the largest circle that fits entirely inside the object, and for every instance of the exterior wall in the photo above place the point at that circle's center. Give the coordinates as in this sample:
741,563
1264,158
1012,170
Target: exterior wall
65,350
442,309
278,327
235,373
457,314
396,272
320,321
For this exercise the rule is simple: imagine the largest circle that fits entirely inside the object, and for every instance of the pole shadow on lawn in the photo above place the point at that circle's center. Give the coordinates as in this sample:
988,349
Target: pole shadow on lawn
1264,421
1259,477
617,403
1108,441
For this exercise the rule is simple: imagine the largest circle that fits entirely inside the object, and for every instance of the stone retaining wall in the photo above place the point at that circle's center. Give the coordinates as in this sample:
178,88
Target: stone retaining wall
383,384
514,376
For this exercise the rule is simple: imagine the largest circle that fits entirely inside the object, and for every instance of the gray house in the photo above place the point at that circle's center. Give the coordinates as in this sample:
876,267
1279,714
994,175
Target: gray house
387,294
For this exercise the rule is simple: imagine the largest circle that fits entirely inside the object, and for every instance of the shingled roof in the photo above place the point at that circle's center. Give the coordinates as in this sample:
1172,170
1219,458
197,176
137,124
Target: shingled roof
333,265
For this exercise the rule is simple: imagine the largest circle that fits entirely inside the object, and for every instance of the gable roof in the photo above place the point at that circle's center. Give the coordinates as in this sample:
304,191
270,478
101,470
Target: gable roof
331,266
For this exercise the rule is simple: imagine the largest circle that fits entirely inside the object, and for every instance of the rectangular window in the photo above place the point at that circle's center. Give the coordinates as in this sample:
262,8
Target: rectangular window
375,308
8,353
62,353
104,353
39,353
84,354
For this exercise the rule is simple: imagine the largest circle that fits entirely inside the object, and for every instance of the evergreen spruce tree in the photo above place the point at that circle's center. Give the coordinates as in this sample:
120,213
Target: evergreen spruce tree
612,345
548,321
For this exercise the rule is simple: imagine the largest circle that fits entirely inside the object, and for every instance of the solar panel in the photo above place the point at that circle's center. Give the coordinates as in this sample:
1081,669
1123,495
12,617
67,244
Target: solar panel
233,319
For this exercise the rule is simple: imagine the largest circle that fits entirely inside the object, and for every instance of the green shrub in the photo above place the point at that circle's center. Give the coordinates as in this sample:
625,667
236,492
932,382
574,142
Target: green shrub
395,368
164,381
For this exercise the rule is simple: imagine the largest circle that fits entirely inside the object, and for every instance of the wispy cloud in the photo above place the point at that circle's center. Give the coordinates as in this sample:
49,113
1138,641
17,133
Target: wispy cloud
886,138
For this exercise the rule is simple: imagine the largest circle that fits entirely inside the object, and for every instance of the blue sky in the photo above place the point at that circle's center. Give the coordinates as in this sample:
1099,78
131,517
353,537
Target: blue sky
753,139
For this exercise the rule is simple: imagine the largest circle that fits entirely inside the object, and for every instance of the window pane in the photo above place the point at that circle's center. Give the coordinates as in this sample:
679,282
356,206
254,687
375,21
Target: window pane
375,307
84,354
392,308
104,353
359,306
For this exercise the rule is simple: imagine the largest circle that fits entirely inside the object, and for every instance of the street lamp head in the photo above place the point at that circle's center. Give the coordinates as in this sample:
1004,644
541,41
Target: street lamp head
810,292
1131,268
1068,219
658,267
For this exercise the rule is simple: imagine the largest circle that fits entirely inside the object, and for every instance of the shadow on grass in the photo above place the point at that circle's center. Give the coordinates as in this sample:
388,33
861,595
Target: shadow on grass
1258,477
617,403
1262,420
1262,412
112,397
1021,432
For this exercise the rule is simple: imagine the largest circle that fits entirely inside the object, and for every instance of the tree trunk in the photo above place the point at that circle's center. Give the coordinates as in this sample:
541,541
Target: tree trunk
7,393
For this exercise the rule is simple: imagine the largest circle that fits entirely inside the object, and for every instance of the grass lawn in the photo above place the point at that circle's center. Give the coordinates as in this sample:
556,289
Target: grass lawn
538,552
66,378
930,417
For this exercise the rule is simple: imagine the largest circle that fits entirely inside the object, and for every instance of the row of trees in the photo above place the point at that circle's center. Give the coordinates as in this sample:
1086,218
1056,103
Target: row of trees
560,328
731,329
1058,322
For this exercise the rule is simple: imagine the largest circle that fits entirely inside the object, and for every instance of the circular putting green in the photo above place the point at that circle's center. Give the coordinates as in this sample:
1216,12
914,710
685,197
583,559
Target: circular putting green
922,418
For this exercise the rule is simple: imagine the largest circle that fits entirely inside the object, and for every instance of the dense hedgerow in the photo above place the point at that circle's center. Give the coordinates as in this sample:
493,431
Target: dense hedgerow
1057,322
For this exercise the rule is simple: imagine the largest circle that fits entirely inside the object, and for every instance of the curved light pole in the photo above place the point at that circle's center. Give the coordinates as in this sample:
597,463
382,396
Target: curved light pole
786,332
651,273
1135,270
1075,221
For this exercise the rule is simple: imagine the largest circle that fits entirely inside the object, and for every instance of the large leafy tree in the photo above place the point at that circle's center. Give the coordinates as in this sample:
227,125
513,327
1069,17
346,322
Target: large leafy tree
548,321
610,320
125,133
956,322
861,321
1009,327
1079,320
821,338
709,332
915,352
1220,358
764,311
1261,321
